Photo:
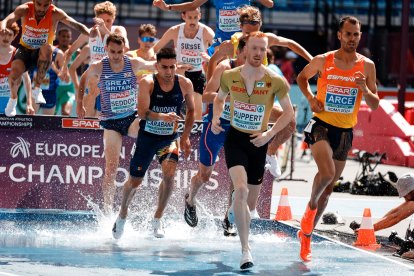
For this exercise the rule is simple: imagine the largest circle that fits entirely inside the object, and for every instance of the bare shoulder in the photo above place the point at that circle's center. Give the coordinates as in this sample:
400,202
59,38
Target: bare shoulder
183,81
147,80
367,61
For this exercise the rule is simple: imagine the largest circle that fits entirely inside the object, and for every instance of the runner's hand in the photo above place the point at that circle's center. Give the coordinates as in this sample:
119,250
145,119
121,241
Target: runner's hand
64,74
98,21
361,82
30,110
170,117
261,138
185,146
80,111
316,106
160,4
215,126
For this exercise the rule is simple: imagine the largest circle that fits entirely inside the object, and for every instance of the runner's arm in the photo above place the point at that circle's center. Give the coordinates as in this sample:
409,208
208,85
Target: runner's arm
213,84
187,90
142,64
266,3
275,40
69,21
169,35
188,6
18,13
79,42
94,70
314,67
368,84
83,55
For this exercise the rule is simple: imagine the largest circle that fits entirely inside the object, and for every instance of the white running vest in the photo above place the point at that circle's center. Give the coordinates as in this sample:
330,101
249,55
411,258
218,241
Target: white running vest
188,49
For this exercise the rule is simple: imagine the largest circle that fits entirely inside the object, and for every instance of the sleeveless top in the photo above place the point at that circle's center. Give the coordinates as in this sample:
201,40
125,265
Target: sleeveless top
163,102
339,93
97,48
140,72
35,35
250,113
4,82
118,91
188,49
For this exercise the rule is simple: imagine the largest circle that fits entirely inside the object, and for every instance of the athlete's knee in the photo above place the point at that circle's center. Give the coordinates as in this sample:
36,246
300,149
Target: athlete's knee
169,179
326,176
45,51
241,192
135,181
205,175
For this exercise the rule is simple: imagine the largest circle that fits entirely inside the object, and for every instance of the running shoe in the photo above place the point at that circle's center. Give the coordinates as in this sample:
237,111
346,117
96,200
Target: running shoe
190,213
273,166
118,228
158,228
305,246
247,260
230,211
10,109
254,214
229,229
38,96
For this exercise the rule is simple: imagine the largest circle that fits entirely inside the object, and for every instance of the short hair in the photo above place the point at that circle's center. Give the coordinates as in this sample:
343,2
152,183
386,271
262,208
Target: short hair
14,27
166,53
242,42
257,34
196,9
147,28
249,13
105,8
63,30
115,38
351,19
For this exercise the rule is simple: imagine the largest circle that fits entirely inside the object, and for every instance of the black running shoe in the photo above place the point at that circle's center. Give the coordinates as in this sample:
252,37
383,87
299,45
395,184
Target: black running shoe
190,213
229,229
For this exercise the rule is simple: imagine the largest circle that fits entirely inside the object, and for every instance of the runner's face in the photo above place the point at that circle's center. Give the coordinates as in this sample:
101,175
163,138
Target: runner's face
256,50
191,19
349,36
6,38
40,7
115,52
147,44
108,19
64,38
166,69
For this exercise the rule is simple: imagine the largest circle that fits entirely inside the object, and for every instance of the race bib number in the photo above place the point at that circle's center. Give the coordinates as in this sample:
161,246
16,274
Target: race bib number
122,101
340,99
248,116
160,127
226,112
229,21
309,127
4,87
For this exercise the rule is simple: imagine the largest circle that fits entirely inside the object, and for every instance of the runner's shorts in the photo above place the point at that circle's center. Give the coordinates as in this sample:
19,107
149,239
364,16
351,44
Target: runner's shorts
147,146
210,143
198,79
340,139
119,125
240,151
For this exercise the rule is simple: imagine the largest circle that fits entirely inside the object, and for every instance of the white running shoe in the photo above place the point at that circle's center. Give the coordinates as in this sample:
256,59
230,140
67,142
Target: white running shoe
273,166
158,228
246,260
254,214
118,228
38,96
10,109
230,211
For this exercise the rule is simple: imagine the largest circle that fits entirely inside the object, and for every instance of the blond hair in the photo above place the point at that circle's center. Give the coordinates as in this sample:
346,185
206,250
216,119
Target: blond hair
105,8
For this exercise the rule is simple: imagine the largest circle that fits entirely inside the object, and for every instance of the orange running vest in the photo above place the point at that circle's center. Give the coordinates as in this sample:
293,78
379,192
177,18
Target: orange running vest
339,93
36,35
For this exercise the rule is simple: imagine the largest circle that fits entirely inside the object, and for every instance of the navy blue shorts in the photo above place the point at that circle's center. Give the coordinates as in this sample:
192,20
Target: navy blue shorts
147,146
50,97
119,125
211,144
198,79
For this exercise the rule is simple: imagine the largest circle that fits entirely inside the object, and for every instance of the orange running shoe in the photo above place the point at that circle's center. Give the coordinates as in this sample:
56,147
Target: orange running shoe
305,246
306,224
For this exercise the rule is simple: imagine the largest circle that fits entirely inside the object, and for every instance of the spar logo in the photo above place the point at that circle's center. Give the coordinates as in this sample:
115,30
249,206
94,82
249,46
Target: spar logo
21,147
341,90
248,107
80,123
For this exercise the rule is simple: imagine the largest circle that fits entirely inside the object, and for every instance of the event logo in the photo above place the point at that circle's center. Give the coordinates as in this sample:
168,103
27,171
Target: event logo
80,123
20,147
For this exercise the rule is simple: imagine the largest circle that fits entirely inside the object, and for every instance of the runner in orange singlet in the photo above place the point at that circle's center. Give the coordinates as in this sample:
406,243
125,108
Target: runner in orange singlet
39,21
344,78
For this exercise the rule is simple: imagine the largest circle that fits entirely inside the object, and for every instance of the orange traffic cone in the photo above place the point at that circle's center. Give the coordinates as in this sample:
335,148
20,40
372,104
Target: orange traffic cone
366,236
283,210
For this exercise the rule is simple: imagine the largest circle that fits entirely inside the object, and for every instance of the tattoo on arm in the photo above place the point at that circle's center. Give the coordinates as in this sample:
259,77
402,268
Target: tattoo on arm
78,27
42,67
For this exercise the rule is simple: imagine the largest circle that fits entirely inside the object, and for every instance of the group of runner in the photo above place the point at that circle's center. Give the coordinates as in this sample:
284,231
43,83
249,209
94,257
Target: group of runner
240,92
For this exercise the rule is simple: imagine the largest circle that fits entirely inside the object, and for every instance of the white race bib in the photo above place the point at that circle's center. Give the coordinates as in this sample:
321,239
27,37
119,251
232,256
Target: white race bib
4,87
340,99
159,127
122,101
248,116
226,112
229,21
